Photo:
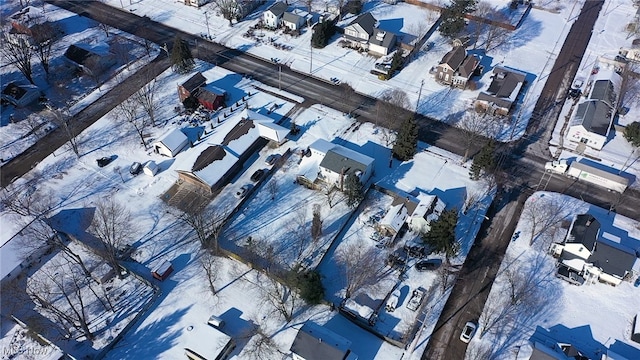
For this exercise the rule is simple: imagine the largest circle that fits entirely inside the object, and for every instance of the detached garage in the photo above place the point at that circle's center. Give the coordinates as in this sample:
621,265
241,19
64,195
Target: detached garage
171,143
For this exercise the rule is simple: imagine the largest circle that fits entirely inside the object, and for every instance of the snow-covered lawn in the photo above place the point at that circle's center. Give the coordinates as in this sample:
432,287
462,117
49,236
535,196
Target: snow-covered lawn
592,317
64,88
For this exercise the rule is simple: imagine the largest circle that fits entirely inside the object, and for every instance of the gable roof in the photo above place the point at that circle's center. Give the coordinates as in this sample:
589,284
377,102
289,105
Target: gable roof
77,54
505,82
584,230
173,139
469,64
603,90
314,342
366,21
291,17
194,82
278,8
612,258
455,57
594,115
382,38
339,159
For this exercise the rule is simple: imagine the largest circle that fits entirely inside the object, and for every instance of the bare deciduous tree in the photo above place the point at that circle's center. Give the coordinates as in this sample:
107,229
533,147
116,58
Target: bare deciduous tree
17,51
63,121
207,224
260,344
229,9
128,111
316,224
113,225
277,291
61,293
44,36
146,97
210,264
473,126
332,194
543,215
105,28
392,105
360,265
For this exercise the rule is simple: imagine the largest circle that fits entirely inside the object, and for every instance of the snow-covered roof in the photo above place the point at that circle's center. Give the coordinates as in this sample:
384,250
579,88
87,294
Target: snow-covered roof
163,267
173,139
575,263
10,255
322,146
395,217
211,159
204,340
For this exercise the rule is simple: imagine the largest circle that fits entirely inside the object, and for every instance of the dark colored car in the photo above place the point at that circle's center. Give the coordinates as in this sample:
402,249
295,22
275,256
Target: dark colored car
257,175
271,159
135,168
426,265
104,161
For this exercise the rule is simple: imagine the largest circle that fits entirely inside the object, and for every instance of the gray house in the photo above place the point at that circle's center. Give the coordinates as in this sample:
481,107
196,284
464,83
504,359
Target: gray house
359,31
502,92
314,342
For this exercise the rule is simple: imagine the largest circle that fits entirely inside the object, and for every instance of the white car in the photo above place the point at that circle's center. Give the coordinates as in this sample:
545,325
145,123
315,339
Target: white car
468,331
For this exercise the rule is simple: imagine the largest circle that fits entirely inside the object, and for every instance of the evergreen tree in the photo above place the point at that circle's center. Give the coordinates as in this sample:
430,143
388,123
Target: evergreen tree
484,160
353,190
309,284
322,32
452,17
181,58
632,133
407,140
442,236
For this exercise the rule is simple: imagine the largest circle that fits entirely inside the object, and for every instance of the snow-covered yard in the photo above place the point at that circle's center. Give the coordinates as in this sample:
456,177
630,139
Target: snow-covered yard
65,88
592,317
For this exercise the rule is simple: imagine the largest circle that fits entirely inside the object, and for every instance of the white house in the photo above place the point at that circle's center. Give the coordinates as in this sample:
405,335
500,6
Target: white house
20,95
171,143
294,20
273,15
14,255
428,210
331,163
591,121
381,42
204,341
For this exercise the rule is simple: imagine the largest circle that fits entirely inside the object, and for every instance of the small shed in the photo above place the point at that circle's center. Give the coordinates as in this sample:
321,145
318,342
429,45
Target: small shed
150,168
171,143
163,270
187,88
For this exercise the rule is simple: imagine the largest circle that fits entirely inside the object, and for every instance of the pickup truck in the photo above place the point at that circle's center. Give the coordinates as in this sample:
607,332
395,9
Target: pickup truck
416,299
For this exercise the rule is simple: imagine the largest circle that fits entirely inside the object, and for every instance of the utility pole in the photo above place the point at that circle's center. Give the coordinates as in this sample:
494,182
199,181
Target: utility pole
206,19
419,95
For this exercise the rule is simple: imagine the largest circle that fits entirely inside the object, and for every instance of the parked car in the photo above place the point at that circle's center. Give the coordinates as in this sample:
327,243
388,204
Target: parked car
426,265
104,161
468,331
416,299
392,302
242,192
257,175
271,159
637,283
135,168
